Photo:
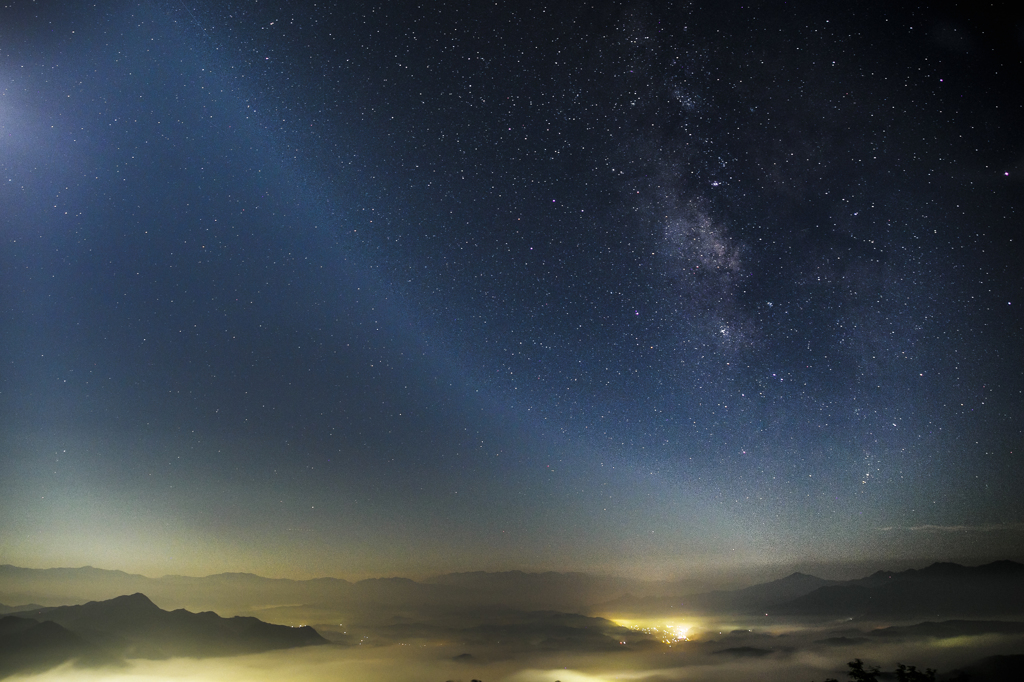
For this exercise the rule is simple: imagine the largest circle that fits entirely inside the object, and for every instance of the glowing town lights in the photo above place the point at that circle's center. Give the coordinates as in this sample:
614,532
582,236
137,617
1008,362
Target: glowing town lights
667,633
680,633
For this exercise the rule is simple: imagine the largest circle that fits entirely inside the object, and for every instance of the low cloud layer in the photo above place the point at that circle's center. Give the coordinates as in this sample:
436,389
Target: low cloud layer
409,663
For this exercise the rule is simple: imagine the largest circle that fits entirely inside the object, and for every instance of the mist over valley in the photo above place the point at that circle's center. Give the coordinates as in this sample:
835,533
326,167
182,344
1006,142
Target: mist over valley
508,626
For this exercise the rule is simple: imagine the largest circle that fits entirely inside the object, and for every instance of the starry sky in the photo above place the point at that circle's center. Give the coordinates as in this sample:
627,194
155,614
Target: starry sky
647,288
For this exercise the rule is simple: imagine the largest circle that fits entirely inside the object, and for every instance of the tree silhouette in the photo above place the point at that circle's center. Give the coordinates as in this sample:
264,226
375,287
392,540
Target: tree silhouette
859,673
912,674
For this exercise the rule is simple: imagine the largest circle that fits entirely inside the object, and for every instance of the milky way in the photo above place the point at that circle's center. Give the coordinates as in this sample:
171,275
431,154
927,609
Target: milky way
631,287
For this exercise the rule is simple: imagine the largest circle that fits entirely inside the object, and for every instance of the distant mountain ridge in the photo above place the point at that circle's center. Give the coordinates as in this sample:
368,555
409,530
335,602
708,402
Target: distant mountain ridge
942,589
21,607
745,600
132,626
226,591
757,597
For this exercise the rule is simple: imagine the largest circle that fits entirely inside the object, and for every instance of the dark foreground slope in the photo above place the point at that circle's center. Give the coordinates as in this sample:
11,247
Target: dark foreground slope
134,627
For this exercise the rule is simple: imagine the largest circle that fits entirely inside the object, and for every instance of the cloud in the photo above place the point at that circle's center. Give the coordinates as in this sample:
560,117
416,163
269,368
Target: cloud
960,528
794,655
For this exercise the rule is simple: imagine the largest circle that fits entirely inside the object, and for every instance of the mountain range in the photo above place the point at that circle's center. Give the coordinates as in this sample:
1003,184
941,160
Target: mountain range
132,626
248,593
940,590
943,590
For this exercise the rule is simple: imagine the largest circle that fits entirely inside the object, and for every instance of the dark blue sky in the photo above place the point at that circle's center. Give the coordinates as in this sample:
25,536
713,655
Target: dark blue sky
645,288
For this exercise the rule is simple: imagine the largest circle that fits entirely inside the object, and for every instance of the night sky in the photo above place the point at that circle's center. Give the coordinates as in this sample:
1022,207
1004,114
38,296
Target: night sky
645,288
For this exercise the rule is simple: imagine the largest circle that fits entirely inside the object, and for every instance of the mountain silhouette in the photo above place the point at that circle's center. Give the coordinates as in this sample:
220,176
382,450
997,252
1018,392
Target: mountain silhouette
945,590
132,626
942,589
27,645
4,609
239,592
756,598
